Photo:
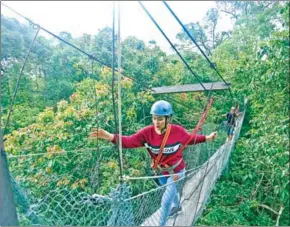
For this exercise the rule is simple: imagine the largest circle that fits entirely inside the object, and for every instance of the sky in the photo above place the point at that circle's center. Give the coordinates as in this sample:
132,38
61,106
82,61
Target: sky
78,17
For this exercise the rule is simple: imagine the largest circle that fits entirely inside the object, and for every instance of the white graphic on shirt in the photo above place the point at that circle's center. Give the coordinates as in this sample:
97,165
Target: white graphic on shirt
168,149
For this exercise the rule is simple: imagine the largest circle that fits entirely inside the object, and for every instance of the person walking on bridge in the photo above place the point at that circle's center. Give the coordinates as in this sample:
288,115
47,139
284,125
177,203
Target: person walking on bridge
231,122
162,140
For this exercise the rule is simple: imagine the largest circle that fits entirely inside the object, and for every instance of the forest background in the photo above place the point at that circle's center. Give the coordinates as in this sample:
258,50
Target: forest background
62,95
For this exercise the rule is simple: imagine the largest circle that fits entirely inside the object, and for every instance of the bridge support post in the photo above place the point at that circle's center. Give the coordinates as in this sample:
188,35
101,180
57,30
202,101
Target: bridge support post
8,216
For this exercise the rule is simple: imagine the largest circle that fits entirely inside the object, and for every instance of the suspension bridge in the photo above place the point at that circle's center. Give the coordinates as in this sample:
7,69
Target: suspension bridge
46,200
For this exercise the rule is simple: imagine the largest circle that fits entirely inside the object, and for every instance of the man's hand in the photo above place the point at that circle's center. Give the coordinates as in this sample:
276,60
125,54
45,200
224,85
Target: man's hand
101,134
211,137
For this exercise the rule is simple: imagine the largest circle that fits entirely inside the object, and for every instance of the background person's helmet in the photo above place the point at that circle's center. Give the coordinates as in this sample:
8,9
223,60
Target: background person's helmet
161,108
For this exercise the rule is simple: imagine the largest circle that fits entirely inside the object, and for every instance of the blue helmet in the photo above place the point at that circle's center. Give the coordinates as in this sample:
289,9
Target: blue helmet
161,108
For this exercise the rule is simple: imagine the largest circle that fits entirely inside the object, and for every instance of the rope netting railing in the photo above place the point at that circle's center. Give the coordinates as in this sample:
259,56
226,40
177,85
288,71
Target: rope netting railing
194,189
81,187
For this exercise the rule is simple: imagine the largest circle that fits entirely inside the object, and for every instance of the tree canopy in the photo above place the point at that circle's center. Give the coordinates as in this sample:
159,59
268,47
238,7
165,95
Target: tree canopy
63,94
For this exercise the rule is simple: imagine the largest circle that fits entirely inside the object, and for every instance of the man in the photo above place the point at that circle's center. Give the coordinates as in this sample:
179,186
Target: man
231,122
152,137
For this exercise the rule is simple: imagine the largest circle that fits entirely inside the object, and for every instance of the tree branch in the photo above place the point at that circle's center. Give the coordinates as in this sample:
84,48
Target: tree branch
234,15
257,187
279,215
268,208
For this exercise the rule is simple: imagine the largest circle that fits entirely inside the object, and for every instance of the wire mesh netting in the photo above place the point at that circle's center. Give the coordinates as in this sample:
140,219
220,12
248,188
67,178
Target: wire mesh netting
77,187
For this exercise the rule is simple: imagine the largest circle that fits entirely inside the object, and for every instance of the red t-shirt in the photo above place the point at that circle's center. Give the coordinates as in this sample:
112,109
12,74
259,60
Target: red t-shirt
147,137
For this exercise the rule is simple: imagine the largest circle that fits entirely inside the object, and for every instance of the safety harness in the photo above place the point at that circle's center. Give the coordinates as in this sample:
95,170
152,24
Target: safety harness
157,159
170,169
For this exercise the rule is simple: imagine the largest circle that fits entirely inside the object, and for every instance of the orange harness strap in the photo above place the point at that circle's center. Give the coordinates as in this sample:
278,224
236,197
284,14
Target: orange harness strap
201,121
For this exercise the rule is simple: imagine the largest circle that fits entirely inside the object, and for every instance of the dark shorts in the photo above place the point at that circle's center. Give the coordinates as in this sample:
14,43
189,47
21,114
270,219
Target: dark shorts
230,130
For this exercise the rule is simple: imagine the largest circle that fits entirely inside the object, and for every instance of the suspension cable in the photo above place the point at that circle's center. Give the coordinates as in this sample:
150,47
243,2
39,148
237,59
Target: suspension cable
59,38
119,91
113,97
159,28
95,97
18,82
212,65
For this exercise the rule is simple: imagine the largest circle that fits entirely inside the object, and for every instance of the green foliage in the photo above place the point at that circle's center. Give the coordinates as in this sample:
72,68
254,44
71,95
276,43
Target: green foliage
257,187
62,96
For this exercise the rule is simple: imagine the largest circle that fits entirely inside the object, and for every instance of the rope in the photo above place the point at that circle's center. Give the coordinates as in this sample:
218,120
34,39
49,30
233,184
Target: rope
118,139
99,154
119,93
160,176
84,150
18,82
155,189
95,97
193,73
